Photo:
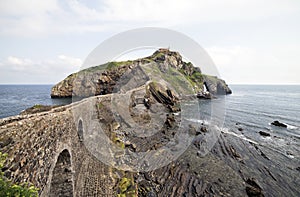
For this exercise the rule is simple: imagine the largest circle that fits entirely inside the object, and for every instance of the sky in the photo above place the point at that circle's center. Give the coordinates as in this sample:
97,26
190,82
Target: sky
250,41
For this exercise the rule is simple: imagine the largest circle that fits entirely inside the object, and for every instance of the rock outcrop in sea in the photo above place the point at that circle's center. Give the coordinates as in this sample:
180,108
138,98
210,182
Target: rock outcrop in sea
103,78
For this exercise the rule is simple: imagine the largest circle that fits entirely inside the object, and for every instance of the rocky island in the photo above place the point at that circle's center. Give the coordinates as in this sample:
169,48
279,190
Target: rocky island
103,78
52,149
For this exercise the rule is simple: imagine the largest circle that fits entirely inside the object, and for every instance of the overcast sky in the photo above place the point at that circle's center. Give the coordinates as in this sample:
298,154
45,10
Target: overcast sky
250,41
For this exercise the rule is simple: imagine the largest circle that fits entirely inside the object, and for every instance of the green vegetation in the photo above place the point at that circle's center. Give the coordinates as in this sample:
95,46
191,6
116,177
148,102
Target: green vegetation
37,106
213,79
112,65
176,79
196,80
127,187
117,140
159,55
9,189
103,67
100,105
124,184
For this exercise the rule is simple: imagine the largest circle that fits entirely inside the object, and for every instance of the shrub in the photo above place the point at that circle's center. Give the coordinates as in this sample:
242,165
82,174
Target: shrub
9,189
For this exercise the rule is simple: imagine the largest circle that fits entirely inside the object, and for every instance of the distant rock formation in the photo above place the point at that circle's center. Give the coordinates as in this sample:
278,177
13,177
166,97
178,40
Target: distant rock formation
215,85
101,80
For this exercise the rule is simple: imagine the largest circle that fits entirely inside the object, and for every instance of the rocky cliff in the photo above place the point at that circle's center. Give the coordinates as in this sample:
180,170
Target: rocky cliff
100,80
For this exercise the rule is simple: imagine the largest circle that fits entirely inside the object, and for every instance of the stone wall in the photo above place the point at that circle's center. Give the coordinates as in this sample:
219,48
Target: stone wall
44,149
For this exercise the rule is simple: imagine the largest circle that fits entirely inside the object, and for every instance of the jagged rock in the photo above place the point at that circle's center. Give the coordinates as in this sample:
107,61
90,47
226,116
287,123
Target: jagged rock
253,189
265,134
215,85
279,124
64,88
163,96
203,129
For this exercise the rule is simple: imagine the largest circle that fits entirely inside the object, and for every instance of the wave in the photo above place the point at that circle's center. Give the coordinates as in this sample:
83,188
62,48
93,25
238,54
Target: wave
289,127
226,130
204,122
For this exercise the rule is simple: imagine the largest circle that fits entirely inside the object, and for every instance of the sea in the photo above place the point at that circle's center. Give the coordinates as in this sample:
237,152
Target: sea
249,110
16,98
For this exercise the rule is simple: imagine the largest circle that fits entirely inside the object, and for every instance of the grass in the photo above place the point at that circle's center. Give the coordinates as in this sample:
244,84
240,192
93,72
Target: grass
37,106
172,76
212,78
117,140
112,65
100,105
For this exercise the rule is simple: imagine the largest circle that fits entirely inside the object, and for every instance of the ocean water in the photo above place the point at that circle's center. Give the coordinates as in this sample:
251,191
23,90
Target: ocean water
252,108
257,106
15,98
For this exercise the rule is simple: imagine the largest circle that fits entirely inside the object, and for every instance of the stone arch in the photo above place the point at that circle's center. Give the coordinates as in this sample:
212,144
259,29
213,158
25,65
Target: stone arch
62,181
80,130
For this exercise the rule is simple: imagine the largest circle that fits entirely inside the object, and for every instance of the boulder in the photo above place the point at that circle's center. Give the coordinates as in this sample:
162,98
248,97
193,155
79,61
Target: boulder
253,189
265,134
279,124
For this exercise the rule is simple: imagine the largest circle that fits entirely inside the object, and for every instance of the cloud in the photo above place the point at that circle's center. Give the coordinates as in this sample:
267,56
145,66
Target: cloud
76,62
238,64
51,70
46,17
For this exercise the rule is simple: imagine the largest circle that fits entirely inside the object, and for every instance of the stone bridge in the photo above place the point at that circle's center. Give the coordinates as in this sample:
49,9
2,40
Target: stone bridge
47,150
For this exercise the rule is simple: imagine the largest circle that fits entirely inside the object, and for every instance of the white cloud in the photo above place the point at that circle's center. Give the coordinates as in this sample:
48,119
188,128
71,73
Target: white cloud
76,62
51,69
45,17
195,10
23,8
238,64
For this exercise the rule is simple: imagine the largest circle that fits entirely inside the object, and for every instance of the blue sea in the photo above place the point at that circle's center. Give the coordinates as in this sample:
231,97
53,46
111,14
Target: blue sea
252,108
15,98
255,107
